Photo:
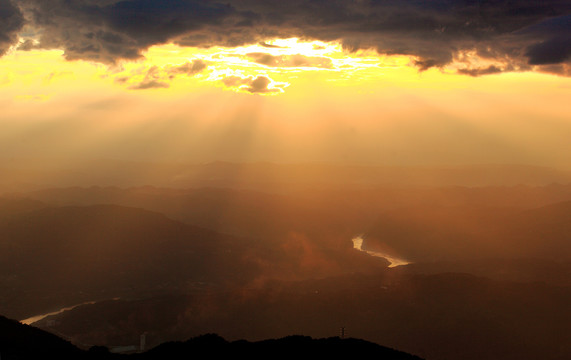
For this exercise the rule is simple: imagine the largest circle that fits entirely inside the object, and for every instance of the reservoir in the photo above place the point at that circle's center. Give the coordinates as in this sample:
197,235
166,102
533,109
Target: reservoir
394,261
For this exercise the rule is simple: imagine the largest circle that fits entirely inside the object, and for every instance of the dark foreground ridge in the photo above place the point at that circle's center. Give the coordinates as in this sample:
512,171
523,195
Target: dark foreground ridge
22,342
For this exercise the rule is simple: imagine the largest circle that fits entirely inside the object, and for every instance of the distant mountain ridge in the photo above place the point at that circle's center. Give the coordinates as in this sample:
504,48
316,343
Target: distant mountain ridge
29,175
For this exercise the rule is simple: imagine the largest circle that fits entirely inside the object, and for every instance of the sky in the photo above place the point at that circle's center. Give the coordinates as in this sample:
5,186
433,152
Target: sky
395,82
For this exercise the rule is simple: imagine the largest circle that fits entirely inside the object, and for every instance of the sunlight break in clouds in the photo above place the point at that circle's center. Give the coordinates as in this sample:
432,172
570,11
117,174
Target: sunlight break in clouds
345,83
265,68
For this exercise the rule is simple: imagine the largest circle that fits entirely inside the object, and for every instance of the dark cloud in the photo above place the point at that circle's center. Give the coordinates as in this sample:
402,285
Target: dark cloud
553,51
428,63
254,85
157,77
108,30
150,84
27,45
153,80
11,22
554,45
492,69
271,46
297,60
189,68
559,69
151,22
432,30
260,85
526,32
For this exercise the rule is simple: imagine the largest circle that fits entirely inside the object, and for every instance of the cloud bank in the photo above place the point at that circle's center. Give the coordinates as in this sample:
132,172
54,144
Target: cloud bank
11,22
521,34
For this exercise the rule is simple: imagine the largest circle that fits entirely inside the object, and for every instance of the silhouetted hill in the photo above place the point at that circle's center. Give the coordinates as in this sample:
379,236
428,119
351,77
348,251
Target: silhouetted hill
23,342
290,347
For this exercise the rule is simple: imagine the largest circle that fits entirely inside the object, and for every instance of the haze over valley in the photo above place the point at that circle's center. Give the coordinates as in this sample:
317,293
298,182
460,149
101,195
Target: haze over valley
175,263
260,178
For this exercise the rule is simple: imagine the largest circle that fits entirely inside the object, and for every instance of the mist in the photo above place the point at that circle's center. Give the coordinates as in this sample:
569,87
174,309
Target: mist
384,175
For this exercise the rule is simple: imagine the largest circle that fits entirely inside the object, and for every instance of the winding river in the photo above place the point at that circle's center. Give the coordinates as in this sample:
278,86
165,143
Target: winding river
33,319
394,261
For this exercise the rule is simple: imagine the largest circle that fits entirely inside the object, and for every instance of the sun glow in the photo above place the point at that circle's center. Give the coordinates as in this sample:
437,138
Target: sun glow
266,68
274,65
324,103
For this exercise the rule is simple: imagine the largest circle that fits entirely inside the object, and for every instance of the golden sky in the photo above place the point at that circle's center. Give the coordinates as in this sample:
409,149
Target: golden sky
281,100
